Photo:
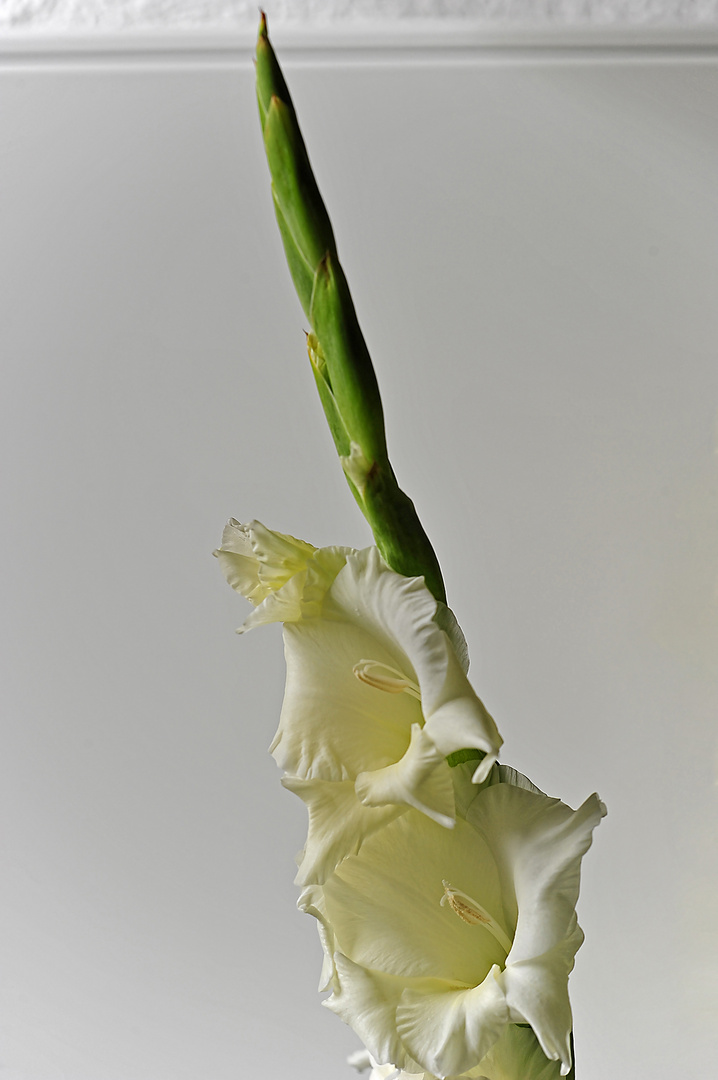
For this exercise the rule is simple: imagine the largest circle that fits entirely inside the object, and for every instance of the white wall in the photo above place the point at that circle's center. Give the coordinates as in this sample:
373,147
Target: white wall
531,241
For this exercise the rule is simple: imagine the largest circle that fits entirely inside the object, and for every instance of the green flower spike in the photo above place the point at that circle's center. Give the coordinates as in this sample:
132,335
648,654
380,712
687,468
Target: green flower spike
338,353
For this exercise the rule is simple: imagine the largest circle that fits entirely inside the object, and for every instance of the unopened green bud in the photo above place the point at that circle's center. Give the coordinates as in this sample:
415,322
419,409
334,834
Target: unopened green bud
340,360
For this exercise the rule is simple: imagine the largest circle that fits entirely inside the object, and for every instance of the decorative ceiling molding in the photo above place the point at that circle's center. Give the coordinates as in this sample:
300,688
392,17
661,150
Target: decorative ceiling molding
114,16
211,31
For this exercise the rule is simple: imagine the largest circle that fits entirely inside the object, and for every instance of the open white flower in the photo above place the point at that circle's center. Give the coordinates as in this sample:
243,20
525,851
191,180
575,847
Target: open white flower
376,695
437,943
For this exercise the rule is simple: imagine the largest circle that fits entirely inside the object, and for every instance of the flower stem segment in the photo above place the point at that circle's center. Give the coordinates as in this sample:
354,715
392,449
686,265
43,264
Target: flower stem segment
338,353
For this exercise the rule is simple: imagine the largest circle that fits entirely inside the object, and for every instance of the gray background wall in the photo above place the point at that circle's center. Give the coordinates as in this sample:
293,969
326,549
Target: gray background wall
530,235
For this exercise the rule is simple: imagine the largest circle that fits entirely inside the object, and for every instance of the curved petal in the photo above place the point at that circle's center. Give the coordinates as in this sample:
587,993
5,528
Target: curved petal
385,903
302,595
401,614
332,726
256,560
449,1030
338,824
311,902
367,1001
537,994
538,844
421,779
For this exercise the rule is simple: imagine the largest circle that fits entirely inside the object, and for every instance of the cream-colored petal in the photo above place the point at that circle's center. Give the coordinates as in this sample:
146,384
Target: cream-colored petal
238,562
333,726
301,596
421,779
401,613
338,824
537,994
538,844
236,539
367,1000
449,1029
390,1072
284,605
385,902
280,555
311,902
256,561
240,572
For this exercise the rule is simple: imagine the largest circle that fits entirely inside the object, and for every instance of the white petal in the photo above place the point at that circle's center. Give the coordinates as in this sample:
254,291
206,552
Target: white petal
238,562
400,612
538,844
421,779
302,596
367,1000
256,561
338,824
537,994
236,538
449,1030
385,902
311,902
360,1060
280,555
332,725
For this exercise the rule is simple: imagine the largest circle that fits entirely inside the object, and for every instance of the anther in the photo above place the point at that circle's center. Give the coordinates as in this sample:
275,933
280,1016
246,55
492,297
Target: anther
371,672
471,912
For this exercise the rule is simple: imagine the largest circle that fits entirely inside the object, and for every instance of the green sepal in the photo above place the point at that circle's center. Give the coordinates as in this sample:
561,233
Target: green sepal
302,273
518,1056
295,189
460,756
351,373
326,396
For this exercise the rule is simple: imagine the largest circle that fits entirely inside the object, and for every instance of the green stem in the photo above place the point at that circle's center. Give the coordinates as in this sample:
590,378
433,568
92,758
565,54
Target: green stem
338,352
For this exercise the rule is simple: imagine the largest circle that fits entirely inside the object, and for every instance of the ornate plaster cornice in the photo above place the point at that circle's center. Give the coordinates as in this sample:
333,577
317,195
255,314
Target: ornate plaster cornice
113,16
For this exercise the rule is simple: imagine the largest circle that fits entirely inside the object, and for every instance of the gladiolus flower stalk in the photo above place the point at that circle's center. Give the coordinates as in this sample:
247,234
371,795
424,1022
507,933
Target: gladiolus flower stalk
340,360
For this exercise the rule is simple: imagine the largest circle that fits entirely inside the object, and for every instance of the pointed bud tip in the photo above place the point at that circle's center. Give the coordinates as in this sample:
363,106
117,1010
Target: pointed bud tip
263,24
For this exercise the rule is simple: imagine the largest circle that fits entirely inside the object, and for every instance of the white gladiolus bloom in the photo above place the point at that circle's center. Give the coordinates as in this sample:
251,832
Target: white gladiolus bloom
376,696
438,943
445,896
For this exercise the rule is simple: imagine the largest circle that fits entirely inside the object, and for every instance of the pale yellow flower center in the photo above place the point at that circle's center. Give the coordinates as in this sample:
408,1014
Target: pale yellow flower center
471,912
384,677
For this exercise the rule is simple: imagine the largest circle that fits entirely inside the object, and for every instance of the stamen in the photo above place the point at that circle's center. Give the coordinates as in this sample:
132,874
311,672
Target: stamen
471,912
370,672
